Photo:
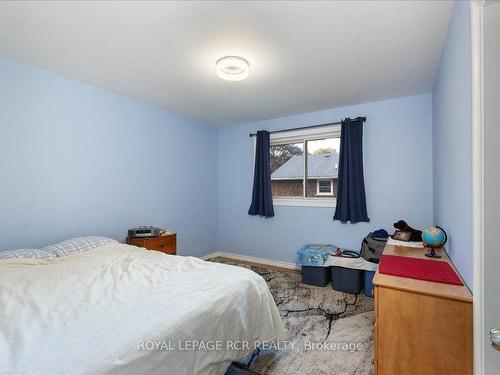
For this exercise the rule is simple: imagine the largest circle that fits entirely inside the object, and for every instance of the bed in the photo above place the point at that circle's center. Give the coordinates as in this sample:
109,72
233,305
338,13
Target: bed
120,309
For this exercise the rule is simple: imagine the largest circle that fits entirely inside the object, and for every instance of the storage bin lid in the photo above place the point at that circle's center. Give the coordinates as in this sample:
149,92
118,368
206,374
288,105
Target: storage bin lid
314,254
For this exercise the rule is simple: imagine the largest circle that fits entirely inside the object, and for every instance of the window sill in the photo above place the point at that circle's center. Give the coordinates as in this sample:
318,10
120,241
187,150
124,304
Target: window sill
305,202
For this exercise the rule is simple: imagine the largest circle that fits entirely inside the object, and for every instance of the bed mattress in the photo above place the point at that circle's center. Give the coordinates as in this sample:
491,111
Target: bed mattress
119,309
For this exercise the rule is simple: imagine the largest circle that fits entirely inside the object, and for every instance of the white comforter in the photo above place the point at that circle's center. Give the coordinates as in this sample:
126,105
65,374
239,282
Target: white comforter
93,313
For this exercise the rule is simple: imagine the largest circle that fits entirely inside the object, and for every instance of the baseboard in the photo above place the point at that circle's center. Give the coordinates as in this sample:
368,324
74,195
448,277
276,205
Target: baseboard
245,258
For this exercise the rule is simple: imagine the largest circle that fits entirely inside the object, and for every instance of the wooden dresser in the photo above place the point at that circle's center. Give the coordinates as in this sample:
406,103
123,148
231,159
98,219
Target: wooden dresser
421,327
166,243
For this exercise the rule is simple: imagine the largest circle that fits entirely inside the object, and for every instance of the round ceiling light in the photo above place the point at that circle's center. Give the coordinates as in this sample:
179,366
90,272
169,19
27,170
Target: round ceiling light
232,68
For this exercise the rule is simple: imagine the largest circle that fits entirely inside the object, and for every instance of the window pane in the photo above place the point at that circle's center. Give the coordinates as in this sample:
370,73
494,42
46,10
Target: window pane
324,186
287,170
322,167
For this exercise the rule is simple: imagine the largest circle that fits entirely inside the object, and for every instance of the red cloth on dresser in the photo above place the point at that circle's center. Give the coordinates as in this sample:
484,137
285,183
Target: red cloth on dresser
422,269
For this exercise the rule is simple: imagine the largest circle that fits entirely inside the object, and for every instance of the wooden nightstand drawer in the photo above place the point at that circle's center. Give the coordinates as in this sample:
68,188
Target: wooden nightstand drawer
166,244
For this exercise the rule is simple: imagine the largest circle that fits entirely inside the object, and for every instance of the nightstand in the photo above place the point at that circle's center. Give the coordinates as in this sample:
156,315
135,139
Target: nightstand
166,243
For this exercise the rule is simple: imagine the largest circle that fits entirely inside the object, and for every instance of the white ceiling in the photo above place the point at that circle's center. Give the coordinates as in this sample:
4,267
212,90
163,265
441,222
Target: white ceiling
304,56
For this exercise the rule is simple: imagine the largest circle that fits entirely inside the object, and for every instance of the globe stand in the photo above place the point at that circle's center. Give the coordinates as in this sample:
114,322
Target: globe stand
432,253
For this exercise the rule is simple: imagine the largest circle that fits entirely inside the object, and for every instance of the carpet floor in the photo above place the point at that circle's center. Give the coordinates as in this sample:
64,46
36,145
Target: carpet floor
331,331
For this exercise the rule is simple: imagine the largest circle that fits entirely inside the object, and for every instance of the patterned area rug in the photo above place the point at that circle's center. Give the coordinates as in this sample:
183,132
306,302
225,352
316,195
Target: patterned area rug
331,331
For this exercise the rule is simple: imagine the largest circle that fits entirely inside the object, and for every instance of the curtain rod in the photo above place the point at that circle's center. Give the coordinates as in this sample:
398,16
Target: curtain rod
363,119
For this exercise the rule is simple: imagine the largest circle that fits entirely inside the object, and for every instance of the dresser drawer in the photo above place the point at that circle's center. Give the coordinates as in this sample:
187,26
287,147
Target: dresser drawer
165,244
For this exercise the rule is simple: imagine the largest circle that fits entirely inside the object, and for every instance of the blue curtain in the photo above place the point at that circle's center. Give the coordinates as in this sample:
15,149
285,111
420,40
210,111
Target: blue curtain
351,199
262,196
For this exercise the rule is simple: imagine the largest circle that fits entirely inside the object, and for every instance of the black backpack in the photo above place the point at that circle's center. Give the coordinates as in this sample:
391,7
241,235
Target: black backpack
373,247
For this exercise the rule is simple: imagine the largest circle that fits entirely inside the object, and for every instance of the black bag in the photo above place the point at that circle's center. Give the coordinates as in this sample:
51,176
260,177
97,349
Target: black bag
372,248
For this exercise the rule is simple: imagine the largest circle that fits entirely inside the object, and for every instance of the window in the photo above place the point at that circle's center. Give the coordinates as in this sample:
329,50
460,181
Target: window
304,166
287,169
324,187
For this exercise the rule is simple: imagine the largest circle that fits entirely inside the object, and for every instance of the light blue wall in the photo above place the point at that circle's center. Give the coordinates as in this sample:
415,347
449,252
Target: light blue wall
78,160
452,135
398,176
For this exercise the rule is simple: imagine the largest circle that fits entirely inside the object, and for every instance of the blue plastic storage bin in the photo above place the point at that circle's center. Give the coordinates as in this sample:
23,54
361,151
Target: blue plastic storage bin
347,280
316,275
312,258
369,283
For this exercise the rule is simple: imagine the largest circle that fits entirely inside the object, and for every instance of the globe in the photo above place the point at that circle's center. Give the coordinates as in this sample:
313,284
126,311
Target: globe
434,236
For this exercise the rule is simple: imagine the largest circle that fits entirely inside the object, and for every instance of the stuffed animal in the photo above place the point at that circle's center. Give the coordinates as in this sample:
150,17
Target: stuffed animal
416,235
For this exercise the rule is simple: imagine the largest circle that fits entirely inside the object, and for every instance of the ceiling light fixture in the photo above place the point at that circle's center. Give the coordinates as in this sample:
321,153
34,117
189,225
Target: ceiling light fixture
232,68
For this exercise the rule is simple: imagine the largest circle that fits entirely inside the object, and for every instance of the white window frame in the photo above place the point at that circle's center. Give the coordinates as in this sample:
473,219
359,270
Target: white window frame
302,136
331,186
